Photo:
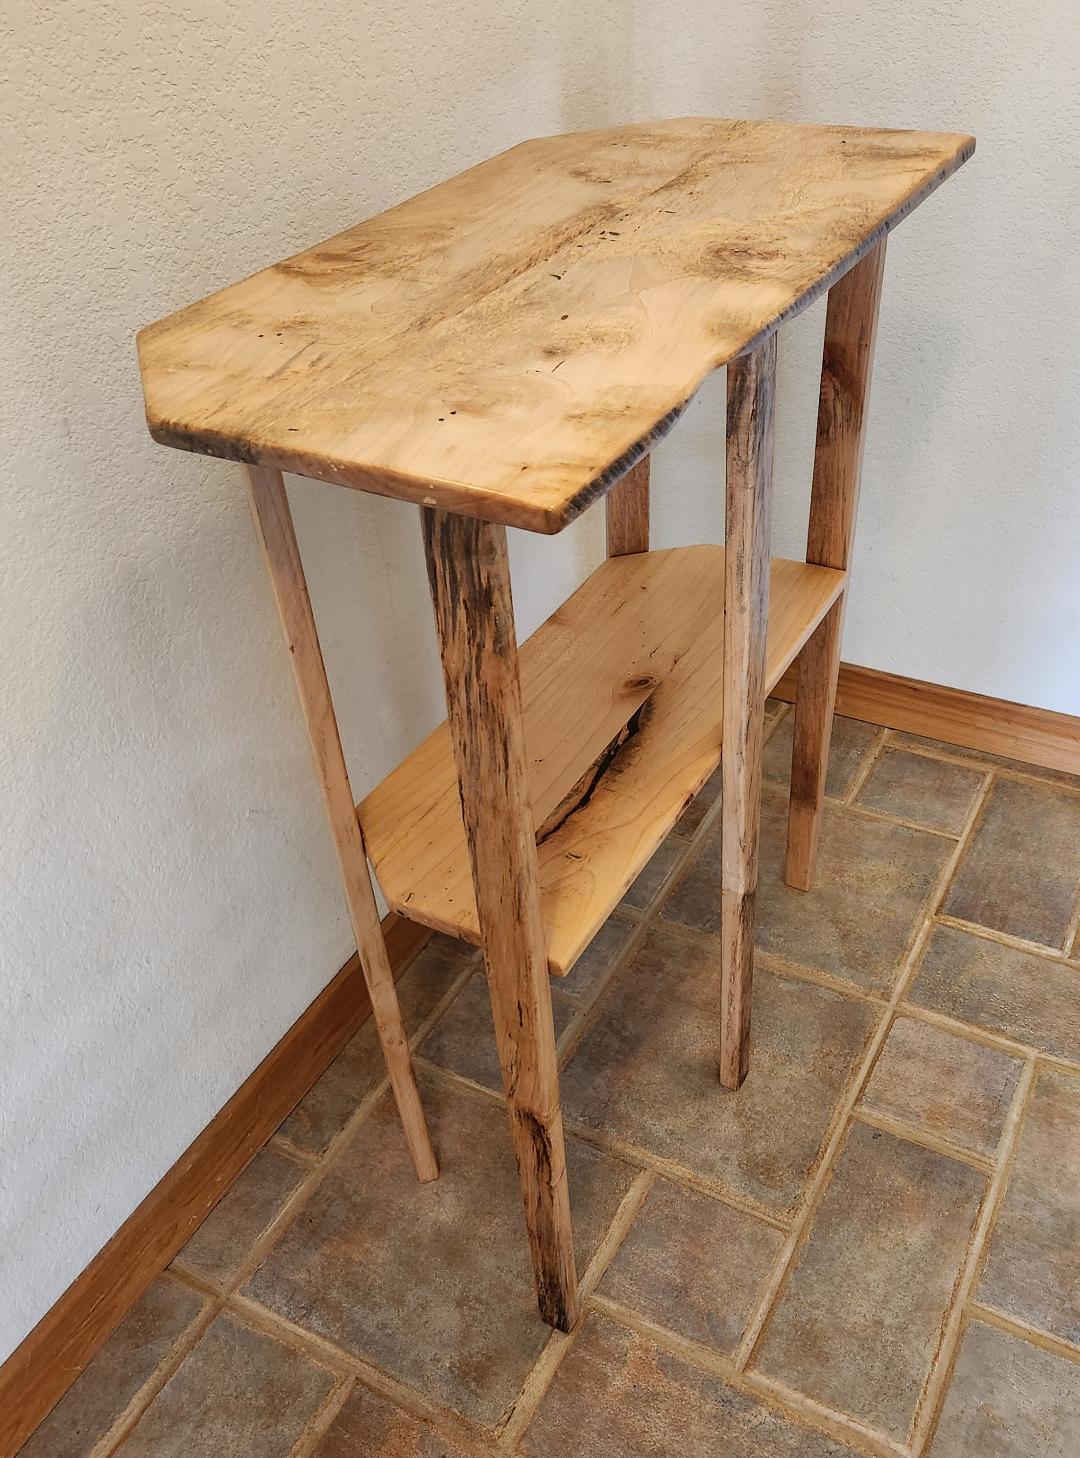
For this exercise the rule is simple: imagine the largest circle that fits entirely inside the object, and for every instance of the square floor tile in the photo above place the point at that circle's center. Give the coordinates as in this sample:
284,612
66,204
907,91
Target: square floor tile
463,1039
1021,872
646,1070
948,1086
851,742
925,791
1032,1270
432,1283
370,1426
616,1393
329,1105
238,1394
225,1237
1008,1399
1019,995
97,1398
693,1265
858,1323
872,887
980,760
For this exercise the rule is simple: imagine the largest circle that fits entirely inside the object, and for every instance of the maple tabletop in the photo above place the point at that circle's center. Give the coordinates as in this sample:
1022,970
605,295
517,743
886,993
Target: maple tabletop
509,343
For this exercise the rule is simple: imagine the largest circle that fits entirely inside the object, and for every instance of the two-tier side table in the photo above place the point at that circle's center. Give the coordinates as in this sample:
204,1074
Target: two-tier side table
504,350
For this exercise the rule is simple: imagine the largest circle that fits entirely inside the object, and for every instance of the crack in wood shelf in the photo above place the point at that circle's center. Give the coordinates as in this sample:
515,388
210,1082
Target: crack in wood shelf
622,695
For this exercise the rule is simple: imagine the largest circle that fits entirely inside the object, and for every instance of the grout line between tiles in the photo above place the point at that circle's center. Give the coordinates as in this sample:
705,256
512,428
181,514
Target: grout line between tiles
283,1145
948,754
1034,1336
989,1039
1072,936
450,1423
924,1138
837,1134
941,1366
868,813
628,1153
1006,939
789,1403
863,770
323,1417
542,1373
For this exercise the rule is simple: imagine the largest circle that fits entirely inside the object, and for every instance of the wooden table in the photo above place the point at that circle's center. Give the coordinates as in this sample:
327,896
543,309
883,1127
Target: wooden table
504,350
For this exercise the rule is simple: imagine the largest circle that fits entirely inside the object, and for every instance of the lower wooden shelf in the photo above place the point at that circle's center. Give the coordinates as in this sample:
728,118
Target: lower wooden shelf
622,694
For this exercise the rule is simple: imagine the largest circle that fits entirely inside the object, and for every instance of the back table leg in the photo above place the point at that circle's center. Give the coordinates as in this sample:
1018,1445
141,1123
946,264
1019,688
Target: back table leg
850,329
273,522
470,587
750,390
627,511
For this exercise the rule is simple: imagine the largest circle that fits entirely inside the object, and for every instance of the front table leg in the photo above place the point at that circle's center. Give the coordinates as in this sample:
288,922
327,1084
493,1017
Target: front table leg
470,587
273,522
750,389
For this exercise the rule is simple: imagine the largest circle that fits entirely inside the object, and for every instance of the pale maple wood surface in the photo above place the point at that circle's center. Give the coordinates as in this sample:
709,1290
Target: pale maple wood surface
751,390
642,639
469,572
510,342
274,527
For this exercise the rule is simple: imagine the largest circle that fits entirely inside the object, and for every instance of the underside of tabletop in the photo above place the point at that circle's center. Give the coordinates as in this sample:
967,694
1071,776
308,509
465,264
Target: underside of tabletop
509,343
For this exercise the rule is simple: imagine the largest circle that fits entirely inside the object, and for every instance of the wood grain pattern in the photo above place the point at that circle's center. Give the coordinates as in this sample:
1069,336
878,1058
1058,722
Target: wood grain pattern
1038,737
846,369
641,642
45,1364
627,510
751,386
511,342
273,523
470,587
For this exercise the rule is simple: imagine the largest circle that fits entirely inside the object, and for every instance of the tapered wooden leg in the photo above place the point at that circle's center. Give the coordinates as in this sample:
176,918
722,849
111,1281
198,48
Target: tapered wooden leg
273,522
750,390
847,363
627,506
470,587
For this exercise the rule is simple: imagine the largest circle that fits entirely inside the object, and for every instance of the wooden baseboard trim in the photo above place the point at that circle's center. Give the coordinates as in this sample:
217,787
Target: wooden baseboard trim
47,1362
972,721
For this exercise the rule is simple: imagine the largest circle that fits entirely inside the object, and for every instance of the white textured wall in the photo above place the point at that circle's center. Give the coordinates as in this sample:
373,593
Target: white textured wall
168,898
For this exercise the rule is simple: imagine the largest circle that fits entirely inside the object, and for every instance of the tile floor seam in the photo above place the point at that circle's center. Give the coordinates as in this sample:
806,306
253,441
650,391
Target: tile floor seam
327,1354
1006,939
976,1034
869,813
219,1294
865,768
837,1135
924,1138
140,1402
936,1383
1023,1331
284,1146
578,1026
1069,945
630,1154
790,1403
323,1416
1035,775
965,840
542,1373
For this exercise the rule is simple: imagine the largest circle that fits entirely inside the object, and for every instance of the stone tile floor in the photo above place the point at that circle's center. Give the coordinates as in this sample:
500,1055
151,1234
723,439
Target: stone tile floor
873,1248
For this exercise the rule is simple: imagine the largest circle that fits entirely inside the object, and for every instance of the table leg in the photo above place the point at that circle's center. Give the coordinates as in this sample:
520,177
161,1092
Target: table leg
470,588
627,508
273,522
750,390
850,329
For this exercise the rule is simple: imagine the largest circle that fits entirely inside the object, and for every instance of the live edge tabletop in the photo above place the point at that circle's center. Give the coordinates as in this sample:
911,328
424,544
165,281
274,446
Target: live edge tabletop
503,350
509,343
